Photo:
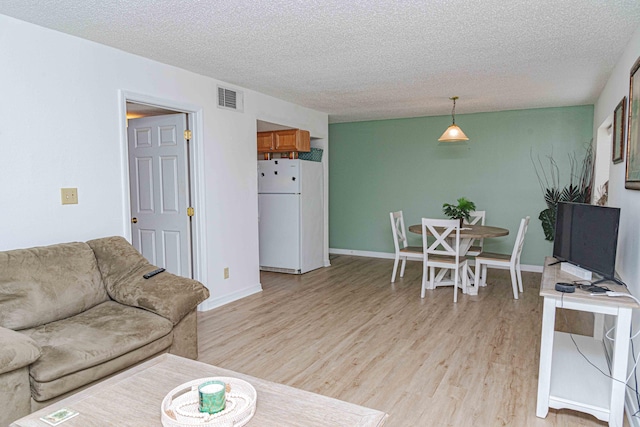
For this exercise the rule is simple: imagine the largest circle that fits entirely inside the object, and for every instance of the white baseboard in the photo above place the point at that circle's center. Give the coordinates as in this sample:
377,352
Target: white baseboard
212,303
368,254
531,268
387,255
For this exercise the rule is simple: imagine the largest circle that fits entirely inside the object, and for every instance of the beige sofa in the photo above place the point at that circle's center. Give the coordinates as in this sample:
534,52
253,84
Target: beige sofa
75,313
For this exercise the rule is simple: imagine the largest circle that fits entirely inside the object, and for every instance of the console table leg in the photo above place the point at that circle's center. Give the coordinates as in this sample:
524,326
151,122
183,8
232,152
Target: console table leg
546,354
619,367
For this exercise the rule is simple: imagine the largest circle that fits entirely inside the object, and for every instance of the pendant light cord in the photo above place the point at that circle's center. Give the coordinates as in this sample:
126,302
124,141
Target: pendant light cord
453,111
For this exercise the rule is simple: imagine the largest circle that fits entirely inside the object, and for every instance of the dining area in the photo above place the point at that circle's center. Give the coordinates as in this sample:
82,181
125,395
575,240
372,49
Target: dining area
453,251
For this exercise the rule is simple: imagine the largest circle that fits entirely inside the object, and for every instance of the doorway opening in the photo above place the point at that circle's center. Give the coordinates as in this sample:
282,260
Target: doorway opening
602,164
161,182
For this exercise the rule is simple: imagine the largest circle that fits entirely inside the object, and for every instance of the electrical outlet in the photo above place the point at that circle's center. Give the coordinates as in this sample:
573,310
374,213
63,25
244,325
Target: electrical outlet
226,272
69,196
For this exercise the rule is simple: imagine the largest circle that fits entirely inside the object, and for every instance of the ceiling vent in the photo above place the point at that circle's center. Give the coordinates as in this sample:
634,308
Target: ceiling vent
230,99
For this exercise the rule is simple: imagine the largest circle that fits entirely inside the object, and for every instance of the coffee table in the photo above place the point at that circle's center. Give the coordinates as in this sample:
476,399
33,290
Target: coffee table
133,398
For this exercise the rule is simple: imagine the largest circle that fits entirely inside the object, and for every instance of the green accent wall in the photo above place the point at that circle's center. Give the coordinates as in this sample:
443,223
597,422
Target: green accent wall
376,167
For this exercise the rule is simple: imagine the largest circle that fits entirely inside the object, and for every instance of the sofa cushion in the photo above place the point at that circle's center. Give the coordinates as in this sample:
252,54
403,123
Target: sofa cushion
122,268
45,393
16,350
96,336
45,284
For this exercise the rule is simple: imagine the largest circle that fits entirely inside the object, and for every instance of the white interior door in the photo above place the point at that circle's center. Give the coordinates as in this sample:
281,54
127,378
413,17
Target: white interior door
158,179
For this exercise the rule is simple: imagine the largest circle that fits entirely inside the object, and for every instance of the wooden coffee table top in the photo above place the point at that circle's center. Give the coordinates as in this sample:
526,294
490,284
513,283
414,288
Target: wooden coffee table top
133,398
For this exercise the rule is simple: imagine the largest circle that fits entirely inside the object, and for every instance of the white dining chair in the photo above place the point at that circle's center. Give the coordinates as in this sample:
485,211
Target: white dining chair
403,250
512,261
443,253
476,217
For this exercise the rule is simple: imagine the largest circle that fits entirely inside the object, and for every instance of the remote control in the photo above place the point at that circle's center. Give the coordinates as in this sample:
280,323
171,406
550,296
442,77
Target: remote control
565,287
153,273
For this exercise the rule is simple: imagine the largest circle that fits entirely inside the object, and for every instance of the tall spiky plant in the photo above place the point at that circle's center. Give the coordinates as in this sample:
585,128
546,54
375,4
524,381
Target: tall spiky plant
578,190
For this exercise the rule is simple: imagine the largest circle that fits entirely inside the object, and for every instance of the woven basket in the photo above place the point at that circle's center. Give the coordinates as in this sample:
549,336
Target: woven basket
180,406
314,155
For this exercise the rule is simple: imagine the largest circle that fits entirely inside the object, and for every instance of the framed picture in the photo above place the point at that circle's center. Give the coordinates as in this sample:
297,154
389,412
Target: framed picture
632,180
618,131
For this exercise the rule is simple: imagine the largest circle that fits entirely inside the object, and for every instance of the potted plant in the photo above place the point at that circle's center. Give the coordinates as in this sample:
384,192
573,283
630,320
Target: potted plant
460,211
578,190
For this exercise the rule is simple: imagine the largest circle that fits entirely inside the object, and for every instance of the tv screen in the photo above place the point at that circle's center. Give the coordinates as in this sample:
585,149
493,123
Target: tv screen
587,236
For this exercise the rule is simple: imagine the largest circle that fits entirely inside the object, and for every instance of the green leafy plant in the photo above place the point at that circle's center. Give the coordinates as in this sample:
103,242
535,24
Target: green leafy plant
578,190
460,211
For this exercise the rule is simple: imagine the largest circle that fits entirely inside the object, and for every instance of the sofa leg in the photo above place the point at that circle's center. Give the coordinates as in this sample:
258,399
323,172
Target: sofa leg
185,337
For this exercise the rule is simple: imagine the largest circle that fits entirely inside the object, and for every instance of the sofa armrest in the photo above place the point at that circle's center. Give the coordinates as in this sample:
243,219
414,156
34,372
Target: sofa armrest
166,294
16,350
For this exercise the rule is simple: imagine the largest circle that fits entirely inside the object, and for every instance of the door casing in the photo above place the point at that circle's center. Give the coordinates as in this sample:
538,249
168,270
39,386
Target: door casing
196,173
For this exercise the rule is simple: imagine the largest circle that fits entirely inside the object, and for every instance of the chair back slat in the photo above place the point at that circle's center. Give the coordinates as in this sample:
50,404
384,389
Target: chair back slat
441,230
517,247
476,217
399,234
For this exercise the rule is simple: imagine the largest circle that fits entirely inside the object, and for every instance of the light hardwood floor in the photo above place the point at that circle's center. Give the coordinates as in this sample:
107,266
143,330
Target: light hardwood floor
346,332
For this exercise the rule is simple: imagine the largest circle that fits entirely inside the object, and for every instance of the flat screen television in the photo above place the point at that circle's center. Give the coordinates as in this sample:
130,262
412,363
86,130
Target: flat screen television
587,236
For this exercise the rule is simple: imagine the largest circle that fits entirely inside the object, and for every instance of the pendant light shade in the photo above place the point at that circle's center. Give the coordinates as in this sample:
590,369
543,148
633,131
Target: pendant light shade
453,132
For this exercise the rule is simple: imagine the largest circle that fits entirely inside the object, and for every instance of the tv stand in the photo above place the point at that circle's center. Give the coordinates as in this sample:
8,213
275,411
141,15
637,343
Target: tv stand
566,379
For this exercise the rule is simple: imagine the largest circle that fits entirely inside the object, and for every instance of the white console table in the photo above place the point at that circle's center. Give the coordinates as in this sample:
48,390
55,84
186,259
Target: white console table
566,379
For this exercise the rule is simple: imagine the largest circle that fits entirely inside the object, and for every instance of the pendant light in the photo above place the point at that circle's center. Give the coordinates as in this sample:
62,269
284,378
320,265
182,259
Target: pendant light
453,132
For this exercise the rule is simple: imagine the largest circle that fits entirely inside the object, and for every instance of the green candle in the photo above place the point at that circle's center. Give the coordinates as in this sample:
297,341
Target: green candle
212,396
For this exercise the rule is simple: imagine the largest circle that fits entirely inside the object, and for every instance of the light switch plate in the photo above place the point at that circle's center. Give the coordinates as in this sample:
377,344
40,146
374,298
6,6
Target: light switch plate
69,196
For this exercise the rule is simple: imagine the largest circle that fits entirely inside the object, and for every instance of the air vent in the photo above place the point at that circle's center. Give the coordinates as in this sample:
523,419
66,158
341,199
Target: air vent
230,99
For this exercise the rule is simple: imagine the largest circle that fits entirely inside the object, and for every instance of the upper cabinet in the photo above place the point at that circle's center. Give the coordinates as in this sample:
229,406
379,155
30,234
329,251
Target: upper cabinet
282,141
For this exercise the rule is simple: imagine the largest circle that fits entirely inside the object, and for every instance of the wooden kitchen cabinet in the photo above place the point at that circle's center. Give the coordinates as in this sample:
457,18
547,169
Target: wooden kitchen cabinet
266,142
283,141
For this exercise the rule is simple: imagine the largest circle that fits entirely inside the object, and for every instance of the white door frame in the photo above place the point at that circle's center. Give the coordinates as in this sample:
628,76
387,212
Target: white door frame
602,156
196,159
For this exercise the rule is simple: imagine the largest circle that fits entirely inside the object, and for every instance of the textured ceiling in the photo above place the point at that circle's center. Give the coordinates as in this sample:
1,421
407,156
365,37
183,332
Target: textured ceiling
363,60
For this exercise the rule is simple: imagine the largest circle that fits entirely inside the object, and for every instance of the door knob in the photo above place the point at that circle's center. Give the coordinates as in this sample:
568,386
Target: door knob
134,220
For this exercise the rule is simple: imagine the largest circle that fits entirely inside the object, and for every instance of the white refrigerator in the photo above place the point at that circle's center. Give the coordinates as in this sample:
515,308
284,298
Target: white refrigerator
291,221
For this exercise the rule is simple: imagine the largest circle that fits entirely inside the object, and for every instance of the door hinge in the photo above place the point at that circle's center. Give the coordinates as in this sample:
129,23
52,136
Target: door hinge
190,211
188,134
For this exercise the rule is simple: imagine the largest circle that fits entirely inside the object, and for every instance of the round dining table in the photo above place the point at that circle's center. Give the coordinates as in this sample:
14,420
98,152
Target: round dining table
468,233
471,231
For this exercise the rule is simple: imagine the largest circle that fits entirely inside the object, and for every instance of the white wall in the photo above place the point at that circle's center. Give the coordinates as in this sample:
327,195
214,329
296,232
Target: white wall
628,255
617,87
61,126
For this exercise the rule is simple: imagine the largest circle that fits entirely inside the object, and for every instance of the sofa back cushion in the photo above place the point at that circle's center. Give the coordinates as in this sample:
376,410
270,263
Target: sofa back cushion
45,284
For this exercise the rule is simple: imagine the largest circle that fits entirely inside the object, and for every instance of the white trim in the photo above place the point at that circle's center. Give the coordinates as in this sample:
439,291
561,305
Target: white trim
368,254
210,304
386,255
197,171
530,268
198,196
